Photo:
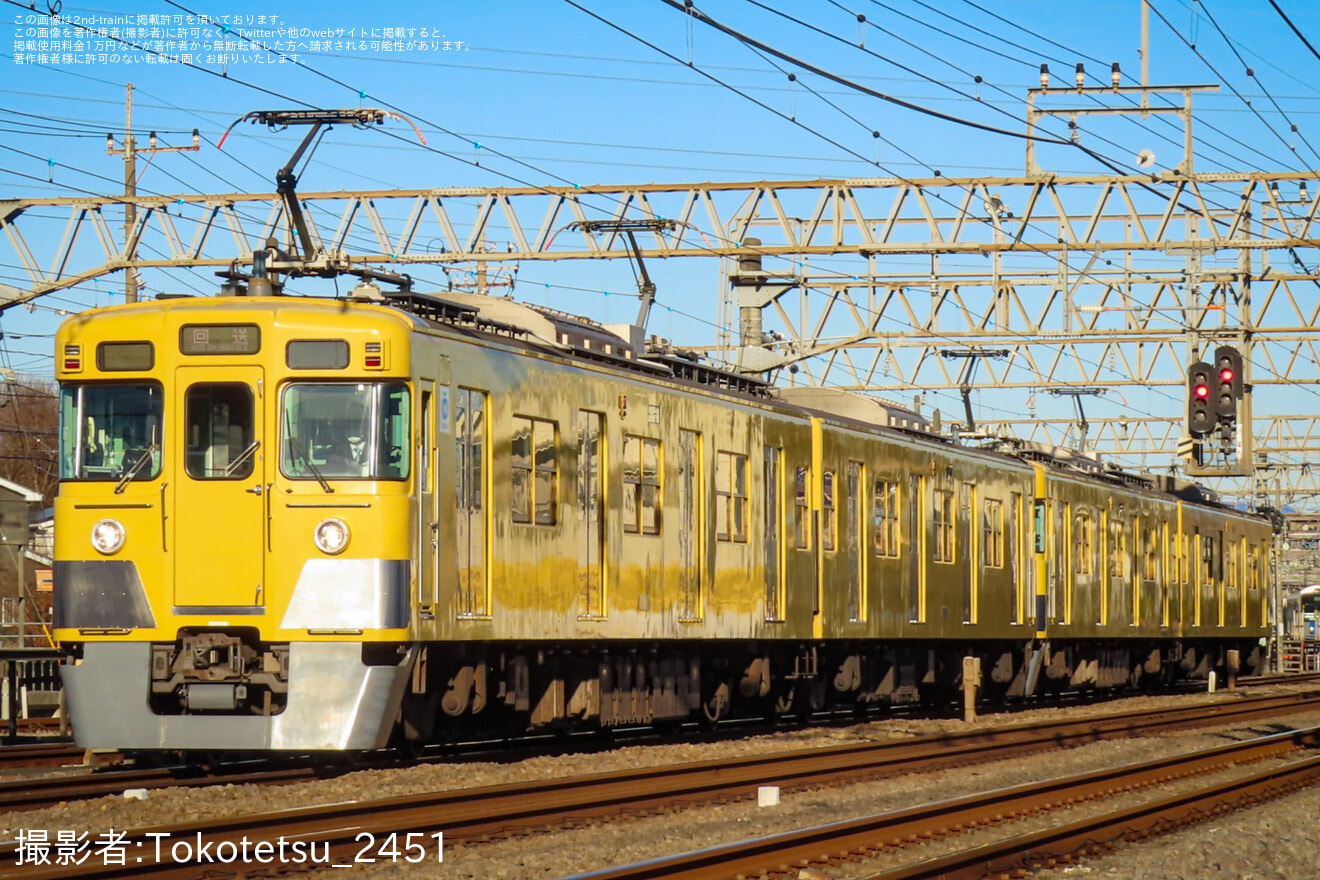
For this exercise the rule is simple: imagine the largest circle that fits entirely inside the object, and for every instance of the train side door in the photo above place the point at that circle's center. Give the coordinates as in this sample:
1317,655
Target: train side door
428,523
471,475
591,516
691,525
219,512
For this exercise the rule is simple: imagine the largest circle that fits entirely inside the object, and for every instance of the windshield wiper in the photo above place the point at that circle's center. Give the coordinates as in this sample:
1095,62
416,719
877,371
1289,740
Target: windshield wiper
302,453
135,467
243,456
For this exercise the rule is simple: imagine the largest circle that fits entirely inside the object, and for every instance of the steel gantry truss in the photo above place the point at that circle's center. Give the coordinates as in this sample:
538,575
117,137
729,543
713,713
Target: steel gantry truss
1109,282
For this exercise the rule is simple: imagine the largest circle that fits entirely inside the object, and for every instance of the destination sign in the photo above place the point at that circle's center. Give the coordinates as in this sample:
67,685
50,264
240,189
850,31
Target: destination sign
220,339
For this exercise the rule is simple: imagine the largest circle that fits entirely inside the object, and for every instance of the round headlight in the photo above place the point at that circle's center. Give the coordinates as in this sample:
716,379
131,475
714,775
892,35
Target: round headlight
331,535
108,536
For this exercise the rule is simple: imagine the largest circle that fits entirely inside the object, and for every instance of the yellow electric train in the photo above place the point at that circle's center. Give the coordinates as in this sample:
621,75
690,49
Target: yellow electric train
295,524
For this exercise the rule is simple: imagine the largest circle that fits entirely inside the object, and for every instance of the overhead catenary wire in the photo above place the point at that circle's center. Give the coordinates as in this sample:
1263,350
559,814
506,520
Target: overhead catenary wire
756,101
1197,52
690,65
1251,73
1294,28
1075,54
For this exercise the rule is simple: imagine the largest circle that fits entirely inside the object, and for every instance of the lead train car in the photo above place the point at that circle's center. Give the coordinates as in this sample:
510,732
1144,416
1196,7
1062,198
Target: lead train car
298,524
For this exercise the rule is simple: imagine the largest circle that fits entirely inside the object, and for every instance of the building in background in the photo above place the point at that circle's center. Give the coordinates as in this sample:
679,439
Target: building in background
26,534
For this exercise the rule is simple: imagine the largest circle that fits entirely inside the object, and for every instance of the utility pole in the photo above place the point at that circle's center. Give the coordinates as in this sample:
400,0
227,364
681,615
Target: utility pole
130,152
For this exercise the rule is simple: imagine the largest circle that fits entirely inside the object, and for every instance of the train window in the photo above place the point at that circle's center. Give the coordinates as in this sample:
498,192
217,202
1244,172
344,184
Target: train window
827,511
943,516
1184,558
1038,525
219,436
993,554
641,485
801,509
346,431
1150,565
116,356
885,516
1209,558
110,430
1082,543
535,477
731,497
316,354
1117,549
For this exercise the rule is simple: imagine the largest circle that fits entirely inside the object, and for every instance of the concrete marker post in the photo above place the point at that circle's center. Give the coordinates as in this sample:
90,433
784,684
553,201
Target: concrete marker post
971,681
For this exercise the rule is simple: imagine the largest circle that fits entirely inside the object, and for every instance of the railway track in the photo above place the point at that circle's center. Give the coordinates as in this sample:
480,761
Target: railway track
37,793
784,854
498,810
39,755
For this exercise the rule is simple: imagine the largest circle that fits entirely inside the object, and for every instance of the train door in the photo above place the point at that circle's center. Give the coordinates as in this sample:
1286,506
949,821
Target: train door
691,528
1054,609
1016,559
471,481
852,539
428,523
591,514
219,514
773,479
1200,576
916,520
970,551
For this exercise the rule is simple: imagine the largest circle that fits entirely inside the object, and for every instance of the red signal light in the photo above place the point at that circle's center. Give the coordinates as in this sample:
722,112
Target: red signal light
1201,392
1226,375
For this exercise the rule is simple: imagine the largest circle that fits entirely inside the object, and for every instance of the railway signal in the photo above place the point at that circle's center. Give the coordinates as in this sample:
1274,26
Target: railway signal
1228,383
1200,410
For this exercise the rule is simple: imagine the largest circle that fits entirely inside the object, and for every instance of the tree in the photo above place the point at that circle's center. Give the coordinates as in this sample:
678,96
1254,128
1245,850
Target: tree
29,433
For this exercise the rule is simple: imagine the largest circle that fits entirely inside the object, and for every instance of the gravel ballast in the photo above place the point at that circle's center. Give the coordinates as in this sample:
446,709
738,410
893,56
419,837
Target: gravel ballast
1264,842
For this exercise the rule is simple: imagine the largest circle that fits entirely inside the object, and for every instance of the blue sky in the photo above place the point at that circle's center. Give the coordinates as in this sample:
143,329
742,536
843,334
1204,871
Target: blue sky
565,97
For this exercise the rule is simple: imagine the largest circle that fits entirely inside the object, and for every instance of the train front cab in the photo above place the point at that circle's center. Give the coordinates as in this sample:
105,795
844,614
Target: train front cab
228,574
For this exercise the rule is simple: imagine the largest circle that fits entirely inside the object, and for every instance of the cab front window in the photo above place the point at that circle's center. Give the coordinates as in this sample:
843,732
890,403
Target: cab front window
107,430
345,431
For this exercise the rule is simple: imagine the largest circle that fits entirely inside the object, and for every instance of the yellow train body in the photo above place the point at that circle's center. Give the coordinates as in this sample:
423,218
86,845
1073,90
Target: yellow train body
306,524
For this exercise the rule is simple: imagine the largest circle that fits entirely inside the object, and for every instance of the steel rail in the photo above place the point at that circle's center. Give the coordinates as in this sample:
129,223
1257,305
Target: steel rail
39,755
833,841
1066,842
496,810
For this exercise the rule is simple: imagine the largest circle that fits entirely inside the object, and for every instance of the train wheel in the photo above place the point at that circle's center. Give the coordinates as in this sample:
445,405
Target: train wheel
715,708
713,711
